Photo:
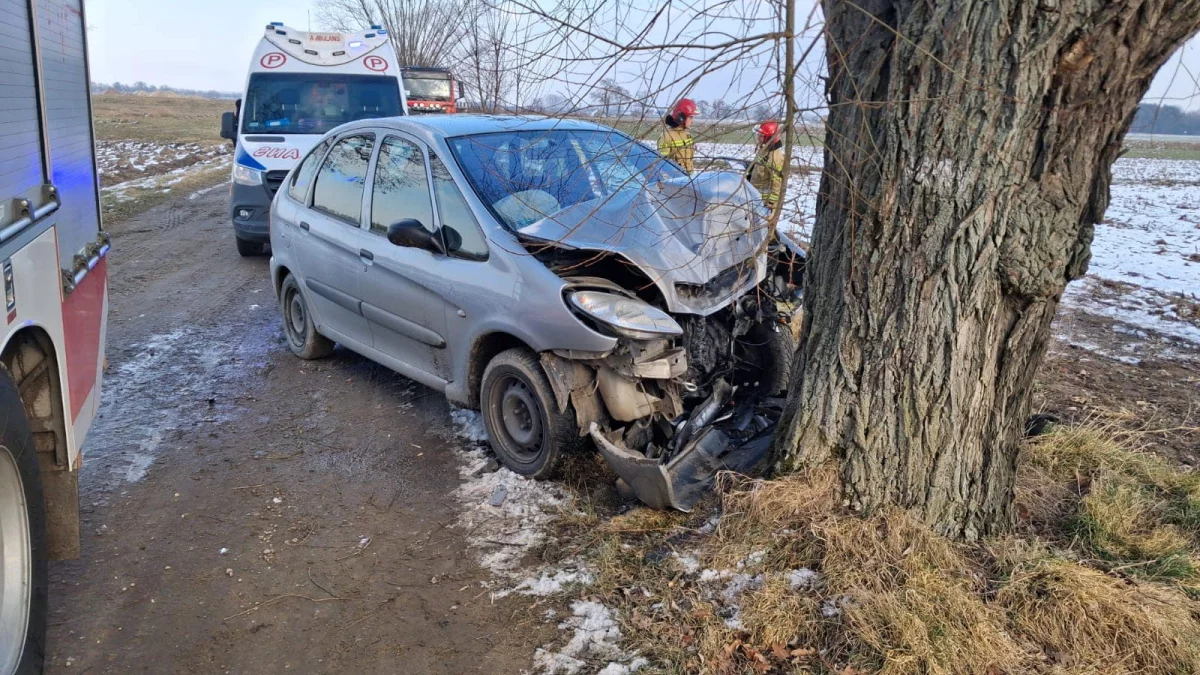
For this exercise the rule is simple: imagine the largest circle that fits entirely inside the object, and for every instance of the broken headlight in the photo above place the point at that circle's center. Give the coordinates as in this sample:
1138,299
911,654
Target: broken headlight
625,316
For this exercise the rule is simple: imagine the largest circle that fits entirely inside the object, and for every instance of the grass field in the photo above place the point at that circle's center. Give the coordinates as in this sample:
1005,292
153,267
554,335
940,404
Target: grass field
163,119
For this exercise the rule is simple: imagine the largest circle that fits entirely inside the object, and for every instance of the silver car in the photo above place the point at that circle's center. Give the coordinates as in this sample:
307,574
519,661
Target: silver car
559,276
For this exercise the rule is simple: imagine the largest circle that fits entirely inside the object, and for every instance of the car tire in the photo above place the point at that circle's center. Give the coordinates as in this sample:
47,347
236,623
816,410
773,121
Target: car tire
22,537
774,349
526,430
249,249
298,327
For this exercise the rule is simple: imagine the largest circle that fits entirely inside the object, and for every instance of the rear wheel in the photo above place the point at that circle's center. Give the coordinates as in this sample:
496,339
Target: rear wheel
302,336
23,574
249,248
526,430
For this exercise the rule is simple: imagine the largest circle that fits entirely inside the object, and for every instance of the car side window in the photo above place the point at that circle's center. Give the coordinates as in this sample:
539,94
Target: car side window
460,229
339,185
303,175
401,188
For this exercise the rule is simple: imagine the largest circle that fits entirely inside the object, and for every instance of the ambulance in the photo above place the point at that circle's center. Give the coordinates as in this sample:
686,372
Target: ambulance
301,85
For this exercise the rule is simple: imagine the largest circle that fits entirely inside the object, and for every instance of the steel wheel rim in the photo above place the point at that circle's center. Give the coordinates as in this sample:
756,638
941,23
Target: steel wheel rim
294,319
520,419
16,564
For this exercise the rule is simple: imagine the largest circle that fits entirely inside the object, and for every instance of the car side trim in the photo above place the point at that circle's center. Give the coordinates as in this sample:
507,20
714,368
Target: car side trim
402,326
427,379
335,296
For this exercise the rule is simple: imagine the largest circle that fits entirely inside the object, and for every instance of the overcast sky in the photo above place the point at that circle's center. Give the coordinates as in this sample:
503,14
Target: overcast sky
207,45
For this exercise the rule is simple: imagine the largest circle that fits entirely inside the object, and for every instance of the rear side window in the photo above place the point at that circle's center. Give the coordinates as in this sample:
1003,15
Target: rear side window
459,227
303,175
338,190
401,187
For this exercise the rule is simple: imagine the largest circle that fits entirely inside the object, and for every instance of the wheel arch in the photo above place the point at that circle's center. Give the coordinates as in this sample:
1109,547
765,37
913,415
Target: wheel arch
33,360
483,350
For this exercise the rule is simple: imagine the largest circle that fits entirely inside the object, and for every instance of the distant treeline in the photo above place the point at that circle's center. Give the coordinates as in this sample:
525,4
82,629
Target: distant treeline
1152,118
143,88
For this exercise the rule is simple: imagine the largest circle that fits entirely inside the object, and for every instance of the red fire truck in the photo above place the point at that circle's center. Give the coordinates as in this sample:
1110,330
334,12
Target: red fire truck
52,252
429,90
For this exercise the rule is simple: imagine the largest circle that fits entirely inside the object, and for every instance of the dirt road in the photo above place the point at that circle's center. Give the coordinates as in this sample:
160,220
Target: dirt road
224,474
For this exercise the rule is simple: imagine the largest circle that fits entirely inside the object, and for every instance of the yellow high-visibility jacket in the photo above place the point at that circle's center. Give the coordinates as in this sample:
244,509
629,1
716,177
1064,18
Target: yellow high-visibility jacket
677,144
766,173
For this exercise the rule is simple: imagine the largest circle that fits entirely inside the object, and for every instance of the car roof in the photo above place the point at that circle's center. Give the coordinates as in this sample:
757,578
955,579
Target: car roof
466,124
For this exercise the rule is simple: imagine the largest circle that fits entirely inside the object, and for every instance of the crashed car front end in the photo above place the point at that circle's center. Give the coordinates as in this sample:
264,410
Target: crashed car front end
683,275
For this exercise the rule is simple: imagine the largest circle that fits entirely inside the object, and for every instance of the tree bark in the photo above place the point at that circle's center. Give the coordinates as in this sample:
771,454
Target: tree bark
968,155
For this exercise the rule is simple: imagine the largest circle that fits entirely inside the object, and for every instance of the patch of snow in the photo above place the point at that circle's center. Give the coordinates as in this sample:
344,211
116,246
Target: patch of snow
594,636
550,583
502,535
468,425
803,579
753,560
625,669
688,563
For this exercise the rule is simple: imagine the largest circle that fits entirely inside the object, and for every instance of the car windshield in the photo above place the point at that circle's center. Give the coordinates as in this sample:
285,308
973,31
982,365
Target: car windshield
426,89
524,176
308,103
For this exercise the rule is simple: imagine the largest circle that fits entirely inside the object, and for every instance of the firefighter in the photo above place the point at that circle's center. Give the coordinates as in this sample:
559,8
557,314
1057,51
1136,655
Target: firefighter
766,172
676,142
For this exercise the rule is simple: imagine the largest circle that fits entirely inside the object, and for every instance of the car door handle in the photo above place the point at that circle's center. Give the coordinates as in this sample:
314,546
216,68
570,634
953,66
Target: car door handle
304,226
365,254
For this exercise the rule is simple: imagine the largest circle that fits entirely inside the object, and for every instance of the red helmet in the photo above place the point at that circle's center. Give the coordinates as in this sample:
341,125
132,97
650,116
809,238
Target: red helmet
767,131
685,108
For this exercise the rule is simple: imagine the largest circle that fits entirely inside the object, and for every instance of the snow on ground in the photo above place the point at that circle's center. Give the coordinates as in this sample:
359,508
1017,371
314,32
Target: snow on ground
1149,241
122,161
594,636
505,516
164,182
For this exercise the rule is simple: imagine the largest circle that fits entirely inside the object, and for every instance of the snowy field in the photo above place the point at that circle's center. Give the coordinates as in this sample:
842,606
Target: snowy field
1145,269
125,161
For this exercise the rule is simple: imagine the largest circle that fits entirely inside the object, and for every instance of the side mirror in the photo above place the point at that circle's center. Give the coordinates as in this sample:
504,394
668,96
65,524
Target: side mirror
229,126
412,234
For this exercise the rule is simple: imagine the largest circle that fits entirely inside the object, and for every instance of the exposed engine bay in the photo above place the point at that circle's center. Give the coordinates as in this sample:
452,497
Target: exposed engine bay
669,412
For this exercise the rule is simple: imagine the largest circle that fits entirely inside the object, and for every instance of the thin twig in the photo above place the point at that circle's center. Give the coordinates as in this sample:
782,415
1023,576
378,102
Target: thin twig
278,598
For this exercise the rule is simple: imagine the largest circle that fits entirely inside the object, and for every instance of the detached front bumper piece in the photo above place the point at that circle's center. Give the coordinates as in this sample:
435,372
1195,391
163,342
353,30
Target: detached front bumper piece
681,482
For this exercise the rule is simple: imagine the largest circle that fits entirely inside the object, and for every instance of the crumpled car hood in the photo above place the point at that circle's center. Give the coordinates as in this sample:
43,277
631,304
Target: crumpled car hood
683,234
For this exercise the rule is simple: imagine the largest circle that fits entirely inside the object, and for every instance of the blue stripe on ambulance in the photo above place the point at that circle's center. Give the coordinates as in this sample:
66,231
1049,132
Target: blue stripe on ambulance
247,161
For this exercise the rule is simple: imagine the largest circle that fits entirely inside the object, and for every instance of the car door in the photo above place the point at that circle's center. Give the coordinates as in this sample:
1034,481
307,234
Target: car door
330,244
399,293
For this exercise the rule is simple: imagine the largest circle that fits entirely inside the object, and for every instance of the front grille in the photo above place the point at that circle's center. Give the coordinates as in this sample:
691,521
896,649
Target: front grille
274,180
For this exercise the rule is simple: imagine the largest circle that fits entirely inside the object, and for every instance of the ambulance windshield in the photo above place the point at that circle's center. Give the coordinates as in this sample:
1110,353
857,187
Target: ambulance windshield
313,103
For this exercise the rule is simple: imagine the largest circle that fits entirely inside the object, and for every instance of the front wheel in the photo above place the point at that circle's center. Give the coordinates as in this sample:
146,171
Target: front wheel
23,574
302,336
525,428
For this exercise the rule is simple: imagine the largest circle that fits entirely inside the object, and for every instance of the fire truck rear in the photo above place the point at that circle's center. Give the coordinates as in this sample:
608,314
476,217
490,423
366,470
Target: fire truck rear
52,253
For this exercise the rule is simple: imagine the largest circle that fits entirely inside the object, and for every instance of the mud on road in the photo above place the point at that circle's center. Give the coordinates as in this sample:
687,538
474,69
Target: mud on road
248,512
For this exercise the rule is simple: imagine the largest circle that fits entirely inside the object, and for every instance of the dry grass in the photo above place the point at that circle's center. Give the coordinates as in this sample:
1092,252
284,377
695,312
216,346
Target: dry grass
1126,507
1093,583
166,119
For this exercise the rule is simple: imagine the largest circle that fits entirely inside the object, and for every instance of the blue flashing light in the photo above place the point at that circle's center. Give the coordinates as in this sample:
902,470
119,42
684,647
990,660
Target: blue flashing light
376,27
276,23
382,31
369,35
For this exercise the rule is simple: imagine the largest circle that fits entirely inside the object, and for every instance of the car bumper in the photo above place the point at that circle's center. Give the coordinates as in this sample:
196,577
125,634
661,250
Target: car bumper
250,209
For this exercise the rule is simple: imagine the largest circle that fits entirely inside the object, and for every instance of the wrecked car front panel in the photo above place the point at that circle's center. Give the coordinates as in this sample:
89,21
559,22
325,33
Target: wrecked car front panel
701,242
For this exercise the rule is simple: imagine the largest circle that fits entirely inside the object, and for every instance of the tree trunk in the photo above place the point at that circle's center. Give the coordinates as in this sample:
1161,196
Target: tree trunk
968,155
